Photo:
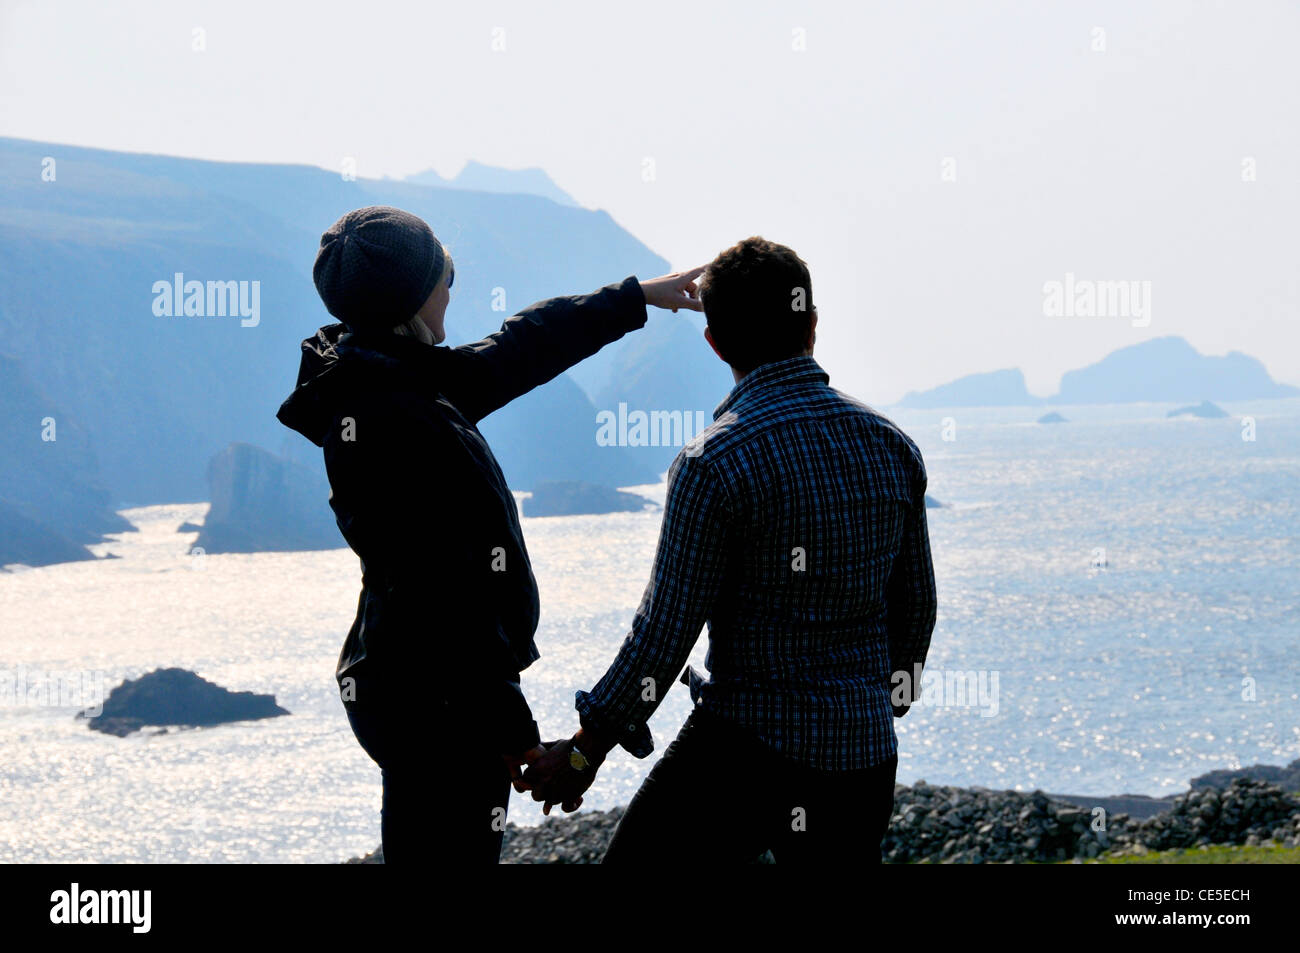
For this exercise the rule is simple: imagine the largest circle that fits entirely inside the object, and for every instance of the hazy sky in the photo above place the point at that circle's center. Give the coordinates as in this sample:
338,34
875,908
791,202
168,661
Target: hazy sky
935,163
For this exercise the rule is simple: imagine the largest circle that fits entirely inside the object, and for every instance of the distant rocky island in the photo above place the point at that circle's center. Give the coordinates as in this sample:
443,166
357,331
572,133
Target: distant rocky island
575,498
1169,369
1052,418
1204,409
1005,388
176,697
1166,369
265,503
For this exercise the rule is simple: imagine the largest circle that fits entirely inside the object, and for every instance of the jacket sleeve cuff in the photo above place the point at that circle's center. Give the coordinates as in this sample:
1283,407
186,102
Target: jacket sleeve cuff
633,738
515,730
636,311
520,738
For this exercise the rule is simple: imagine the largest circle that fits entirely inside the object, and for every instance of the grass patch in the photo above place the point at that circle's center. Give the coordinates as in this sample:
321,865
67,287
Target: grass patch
1217,854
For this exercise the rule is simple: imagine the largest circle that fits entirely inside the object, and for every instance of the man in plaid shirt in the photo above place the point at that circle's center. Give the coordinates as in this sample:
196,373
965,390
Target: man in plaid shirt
795,527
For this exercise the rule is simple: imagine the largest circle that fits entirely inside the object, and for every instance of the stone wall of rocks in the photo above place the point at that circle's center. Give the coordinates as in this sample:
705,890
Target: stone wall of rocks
1246,812
975,825
951,825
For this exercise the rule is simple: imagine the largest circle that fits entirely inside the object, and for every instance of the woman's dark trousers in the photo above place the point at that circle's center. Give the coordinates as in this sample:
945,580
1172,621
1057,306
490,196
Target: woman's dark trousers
443,800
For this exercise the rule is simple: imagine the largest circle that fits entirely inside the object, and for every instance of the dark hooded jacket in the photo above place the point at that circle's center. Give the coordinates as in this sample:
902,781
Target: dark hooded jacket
448,602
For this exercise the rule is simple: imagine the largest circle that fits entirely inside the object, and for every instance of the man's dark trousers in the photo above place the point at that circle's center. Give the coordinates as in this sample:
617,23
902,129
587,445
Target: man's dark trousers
720,796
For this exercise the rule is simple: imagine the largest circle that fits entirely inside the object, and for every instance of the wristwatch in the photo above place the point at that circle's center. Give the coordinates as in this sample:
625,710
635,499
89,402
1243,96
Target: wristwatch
577,760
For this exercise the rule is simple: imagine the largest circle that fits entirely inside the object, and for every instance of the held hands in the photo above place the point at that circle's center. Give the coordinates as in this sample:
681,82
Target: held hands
553,779
559,772
515,761
674,291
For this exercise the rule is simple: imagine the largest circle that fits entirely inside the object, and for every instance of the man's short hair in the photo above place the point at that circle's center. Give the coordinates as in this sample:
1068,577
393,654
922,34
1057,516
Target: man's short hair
757,298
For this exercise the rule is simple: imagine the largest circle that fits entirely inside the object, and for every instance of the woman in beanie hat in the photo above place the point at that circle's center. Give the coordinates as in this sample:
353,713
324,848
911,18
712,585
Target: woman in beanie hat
448,603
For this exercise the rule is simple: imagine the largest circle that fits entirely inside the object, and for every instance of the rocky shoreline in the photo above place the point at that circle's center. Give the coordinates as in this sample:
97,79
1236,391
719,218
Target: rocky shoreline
940,824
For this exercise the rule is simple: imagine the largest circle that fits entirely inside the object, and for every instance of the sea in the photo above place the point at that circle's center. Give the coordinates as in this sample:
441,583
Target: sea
1119,612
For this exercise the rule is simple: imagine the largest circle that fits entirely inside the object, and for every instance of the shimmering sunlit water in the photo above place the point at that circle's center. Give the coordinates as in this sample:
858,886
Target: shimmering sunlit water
1132,677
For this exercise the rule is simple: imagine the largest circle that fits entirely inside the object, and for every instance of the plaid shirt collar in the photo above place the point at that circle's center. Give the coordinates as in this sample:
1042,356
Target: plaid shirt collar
793,370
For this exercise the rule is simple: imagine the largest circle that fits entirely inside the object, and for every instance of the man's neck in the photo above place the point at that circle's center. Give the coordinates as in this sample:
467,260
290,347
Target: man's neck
737,374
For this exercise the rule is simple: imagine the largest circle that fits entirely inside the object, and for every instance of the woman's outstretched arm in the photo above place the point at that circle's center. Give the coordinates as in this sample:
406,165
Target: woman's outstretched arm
547,338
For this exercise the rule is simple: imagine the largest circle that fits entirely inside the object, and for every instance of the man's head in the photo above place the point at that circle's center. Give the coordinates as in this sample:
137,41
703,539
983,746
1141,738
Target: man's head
757,298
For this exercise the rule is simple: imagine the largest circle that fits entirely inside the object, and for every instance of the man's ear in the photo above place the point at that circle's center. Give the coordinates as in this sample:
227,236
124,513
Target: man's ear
812,330
708,336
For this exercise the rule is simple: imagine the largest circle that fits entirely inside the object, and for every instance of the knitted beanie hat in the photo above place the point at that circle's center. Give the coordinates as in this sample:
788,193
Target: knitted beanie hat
376,267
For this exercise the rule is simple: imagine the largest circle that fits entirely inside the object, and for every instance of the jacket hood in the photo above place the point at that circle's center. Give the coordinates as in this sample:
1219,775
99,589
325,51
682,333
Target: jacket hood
310,408
337,361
